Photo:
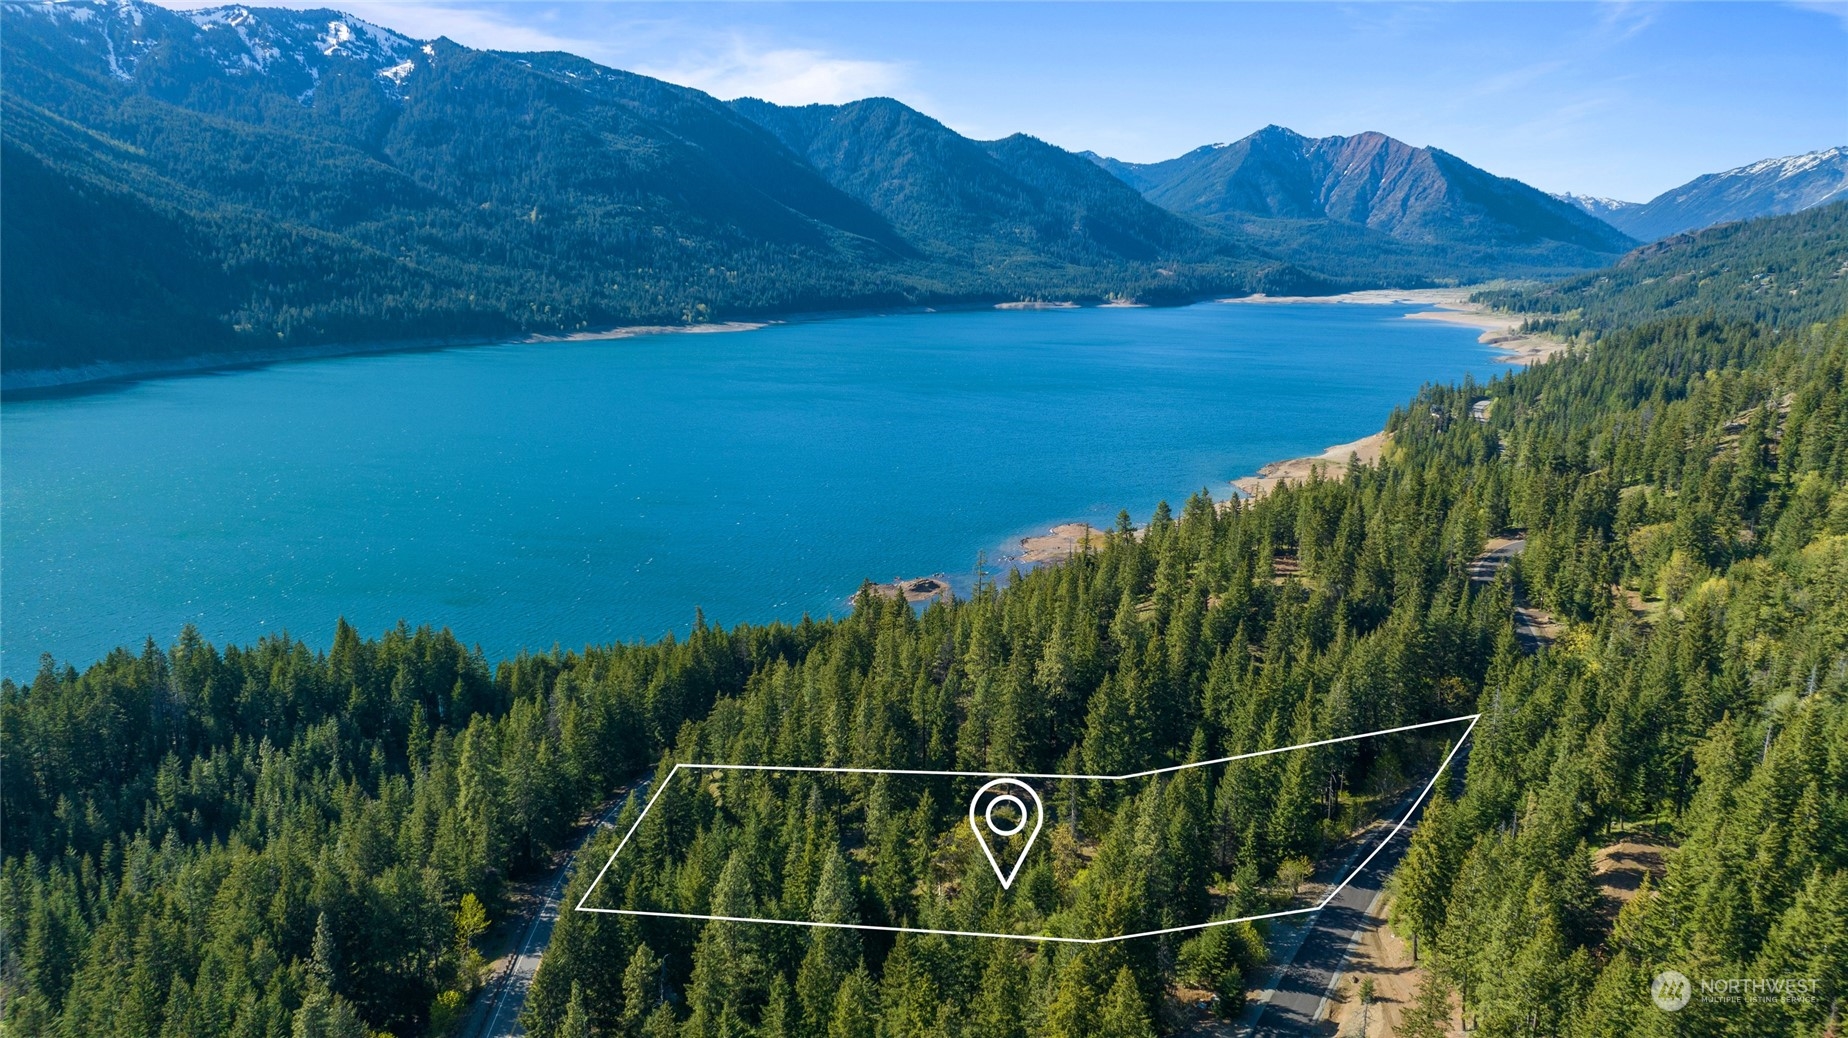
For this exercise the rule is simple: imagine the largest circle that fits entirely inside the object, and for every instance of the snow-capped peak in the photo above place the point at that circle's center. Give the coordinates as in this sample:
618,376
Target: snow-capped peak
60,9
282,31
291,49
1789,165
1594,204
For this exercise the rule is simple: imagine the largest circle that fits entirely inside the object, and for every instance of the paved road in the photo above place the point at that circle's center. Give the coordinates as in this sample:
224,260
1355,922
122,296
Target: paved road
1296,1004
1498,552
496,1013
1303,979
1533,626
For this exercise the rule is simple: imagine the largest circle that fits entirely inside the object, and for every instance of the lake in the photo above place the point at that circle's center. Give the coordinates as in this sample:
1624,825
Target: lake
570,493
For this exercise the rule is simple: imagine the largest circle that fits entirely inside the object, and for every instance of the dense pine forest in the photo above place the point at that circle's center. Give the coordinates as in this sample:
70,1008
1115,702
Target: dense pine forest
272,840
1781,271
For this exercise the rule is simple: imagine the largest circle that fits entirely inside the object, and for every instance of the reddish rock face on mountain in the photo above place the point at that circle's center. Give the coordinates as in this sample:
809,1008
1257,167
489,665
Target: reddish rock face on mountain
1416,195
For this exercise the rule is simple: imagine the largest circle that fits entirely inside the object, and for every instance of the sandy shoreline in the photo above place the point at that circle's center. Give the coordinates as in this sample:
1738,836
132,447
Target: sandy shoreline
86,376
1452,297
1498,330
1060,542
1067,539
1332,462
631,331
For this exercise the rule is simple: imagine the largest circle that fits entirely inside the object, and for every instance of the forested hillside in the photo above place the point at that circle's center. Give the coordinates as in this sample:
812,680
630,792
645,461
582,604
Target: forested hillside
948,192
241,182
274,841
251,180
1782,271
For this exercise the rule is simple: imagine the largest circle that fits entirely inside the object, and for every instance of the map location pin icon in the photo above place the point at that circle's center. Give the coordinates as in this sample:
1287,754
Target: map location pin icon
998,813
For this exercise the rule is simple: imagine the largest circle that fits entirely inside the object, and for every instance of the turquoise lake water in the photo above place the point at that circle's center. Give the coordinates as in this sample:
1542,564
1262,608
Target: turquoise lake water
532,495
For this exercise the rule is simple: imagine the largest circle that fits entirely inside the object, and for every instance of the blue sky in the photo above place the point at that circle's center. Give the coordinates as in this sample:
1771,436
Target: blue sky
1615,99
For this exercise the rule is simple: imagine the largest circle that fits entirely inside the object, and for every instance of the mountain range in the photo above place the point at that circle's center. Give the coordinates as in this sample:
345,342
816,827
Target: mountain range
237,183
235,180
1770,187
1414,196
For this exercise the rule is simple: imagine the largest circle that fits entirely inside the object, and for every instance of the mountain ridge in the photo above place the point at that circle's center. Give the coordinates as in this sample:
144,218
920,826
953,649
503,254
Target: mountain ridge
248,179
908,166
1422,196
1768,187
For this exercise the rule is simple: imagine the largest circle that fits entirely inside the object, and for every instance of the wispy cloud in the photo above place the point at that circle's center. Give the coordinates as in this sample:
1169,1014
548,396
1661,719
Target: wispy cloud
1619,21
1836,9
1565,122
784,75
1388,21
1519,78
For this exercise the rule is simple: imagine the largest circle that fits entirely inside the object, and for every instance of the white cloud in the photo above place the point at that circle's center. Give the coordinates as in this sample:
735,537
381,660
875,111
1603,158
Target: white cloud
784,75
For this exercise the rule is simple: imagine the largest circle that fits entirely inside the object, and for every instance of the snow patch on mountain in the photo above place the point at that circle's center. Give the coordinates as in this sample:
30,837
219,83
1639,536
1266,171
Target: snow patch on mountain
259,42
1789,165
1595,205
337,33
1768,187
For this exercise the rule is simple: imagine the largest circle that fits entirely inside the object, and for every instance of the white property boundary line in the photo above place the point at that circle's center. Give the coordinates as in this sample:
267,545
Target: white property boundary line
1339,887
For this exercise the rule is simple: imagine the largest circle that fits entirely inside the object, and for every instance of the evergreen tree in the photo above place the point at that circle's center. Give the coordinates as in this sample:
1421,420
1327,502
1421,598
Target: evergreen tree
728,962
833,953
855,1008
640,989
1421,884
577,1019
1123,1014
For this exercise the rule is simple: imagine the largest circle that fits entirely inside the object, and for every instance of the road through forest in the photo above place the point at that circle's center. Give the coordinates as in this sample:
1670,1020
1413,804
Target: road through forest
496,1010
